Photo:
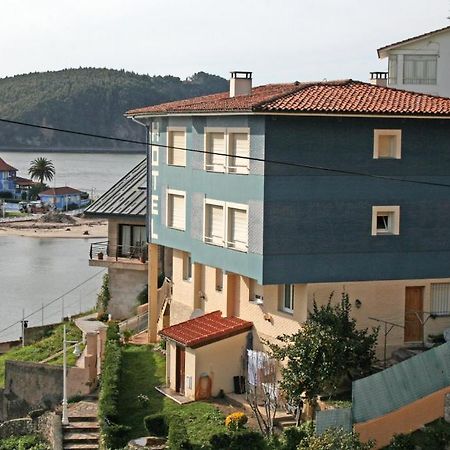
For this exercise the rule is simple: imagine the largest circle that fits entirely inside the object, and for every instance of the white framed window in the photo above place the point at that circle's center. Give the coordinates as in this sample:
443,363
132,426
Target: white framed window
229,147
187,267
215,160
440,299
239,150
385,220
237,227
256,293
219,280
214,223
387,144
288,298
226,224
176,209
420,69
392,69
176,140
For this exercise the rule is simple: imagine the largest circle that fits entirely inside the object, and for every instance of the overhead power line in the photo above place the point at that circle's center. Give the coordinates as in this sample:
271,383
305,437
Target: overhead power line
248,158
54,300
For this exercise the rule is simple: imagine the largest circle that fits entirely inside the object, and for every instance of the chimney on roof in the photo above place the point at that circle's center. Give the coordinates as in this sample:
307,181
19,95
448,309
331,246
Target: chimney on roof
379,78
240,83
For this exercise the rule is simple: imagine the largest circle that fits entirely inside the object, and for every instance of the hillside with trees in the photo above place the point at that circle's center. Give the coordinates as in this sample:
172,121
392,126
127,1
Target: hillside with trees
89,100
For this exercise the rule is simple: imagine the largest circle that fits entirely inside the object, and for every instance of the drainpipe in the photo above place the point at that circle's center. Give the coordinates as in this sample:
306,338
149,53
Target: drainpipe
153,249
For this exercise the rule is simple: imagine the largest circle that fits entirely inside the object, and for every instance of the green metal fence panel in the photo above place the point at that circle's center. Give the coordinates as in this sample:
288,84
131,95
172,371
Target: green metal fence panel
334,418
401,384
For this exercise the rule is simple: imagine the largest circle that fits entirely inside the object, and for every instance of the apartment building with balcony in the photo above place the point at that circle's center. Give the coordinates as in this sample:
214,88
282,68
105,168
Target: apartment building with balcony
327,202
124,254
420,63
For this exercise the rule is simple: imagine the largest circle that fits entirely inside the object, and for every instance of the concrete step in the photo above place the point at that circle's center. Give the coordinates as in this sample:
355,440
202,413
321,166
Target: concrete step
402,354
80,446
83,419
82,426
80,436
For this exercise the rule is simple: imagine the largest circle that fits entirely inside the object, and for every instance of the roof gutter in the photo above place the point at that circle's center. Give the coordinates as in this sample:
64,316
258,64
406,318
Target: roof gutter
305,114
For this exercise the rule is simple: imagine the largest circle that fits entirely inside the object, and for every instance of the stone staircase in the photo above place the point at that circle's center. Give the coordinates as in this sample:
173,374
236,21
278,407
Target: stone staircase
83,431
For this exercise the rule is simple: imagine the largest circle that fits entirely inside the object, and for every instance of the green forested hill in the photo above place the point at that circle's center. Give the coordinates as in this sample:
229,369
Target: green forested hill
89,100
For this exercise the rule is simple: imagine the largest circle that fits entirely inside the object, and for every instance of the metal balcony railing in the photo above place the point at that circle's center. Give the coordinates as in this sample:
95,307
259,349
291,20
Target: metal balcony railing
104,249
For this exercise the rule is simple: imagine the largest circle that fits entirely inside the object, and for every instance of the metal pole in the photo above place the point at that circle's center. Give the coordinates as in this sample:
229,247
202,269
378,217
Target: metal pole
62,309
42,314
385,345
65,419
23,327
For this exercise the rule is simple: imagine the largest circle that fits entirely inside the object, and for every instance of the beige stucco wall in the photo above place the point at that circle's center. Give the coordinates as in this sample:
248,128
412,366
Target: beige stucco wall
380,299
209,360
383,300
182,305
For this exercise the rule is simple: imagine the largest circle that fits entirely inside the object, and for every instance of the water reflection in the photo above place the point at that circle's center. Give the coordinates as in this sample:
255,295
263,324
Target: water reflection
35,271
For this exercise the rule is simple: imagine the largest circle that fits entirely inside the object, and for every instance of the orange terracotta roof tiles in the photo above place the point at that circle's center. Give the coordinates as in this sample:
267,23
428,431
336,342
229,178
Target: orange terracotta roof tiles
24,181
205,329
5,167
330,97
404,41
65,190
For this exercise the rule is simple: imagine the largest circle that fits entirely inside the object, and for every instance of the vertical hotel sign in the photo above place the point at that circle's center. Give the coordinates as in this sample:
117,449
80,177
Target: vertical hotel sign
154,199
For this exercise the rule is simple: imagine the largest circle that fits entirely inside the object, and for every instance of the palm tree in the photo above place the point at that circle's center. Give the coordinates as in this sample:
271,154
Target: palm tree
42,169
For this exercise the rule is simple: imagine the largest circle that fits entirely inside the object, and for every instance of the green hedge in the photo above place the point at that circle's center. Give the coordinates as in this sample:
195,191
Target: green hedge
111,431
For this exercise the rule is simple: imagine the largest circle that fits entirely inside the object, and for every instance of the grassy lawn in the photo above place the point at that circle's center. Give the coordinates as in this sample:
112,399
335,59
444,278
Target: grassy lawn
142,370
42,349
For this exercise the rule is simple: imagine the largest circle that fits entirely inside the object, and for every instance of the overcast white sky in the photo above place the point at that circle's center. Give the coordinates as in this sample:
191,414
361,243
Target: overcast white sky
279,40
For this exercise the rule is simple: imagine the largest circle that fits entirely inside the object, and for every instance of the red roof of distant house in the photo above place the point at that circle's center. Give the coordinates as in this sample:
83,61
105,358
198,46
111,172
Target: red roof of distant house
330,97
5,167
24,181
205,329
66,190
414,38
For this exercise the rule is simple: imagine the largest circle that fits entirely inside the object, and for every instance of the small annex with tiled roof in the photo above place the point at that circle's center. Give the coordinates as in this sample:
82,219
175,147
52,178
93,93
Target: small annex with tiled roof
342,97
204,355
64,190
205,329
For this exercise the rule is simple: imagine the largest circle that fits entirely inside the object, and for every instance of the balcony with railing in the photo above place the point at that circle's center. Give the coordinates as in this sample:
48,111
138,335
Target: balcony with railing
103,254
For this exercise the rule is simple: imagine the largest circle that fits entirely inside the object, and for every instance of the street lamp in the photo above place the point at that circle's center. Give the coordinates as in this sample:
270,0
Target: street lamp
77,353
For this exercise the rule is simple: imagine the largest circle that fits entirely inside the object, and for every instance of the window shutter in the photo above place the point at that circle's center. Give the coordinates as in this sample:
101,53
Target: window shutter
215,142
238,227
176,212
177,157
214,224
240,147
440,298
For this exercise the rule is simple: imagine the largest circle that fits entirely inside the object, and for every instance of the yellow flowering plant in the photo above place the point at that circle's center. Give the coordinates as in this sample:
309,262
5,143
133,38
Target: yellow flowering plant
236,421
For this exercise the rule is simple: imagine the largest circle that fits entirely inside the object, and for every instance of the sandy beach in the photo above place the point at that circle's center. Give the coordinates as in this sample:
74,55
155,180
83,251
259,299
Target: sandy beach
82,228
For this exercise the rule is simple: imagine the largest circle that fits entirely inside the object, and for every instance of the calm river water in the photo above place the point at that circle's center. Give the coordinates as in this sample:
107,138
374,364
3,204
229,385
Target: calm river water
36,271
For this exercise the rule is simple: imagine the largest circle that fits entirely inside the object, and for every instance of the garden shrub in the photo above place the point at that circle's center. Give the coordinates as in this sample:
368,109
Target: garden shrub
30,442
401,442
334,439
240,440
178,436
156,424
104,296
220,441
293,436
246,439
109,390
437,435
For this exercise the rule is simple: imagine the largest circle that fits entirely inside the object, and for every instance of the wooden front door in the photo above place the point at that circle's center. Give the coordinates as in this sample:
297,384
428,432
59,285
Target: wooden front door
180,369
414,314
